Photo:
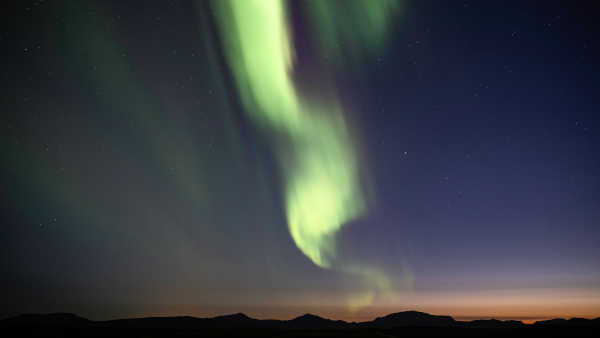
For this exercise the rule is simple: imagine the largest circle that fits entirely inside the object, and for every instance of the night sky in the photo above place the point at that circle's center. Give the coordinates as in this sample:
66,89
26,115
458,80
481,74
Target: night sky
348,159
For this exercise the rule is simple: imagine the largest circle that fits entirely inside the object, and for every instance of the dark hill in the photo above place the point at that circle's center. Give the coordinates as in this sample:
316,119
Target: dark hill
309,321
185,322
410,318
57,323
238,320
573,322
49,319
493,323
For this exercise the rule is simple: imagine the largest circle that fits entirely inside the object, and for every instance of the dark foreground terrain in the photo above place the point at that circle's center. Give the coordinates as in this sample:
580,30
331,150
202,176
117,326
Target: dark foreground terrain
401,324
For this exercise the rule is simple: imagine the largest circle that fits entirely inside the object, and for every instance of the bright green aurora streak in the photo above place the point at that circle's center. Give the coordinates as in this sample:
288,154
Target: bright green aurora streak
322,189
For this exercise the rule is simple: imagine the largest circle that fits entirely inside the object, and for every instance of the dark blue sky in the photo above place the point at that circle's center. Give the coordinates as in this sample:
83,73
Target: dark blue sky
495,107
134,183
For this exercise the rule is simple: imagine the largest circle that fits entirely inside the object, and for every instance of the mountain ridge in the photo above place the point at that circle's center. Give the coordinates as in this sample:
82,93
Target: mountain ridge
305,321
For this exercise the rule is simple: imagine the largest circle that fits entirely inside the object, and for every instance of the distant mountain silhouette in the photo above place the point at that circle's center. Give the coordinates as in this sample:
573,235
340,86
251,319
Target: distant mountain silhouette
51,319
309,321
573,322
408,319
155,323
238,320
493,323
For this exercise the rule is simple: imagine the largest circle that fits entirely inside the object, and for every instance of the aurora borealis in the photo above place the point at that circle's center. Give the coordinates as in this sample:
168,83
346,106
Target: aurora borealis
314,147
321,183
344,158
320,169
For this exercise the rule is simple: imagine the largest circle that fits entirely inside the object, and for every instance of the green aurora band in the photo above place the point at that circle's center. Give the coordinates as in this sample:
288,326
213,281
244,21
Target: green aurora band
315,152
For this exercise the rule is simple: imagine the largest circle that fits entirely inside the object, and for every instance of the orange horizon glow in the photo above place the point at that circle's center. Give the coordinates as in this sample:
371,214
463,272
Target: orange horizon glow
288,313
526,305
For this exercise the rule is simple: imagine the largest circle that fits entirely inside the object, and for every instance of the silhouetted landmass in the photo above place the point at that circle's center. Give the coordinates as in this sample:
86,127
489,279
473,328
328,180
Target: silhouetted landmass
309,321
50,319
410,318
573,322
409,323
493,323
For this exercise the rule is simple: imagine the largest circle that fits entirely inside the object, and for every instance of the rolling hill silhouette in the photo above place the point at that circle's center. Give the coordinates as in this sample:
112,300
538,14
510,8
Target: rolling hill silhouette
410,318
50,319
239,324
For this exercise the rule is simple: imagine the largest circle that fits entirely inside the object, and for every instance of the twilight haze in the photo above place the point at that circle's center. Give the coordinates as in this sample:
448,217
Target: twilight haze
343,158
